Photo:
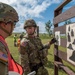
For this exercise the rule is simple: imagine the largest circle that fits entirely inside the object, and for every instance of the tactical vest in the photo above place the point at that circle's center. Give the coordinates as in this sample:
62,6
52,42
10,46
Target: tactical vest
12,64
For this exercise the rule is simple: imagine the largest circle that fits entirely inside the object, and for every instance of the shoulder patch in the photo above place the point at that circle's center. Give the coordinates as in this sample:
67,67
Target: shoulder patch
3,57
24,44
24,40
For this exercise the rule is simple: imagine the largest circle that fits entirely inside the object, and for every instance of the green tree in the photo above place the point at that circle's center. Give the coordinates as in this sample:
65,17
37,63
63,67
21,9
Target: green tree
68,22
48,26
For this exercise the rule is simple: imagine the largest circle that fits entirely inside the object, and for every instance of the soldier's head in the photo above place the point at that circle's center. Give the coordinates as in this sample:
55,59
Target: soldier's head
30,26
8,18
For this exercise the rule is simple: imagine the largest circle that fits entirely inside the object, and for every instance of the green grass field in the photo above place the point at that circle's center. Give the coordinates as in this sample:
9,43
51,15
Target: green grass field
49,66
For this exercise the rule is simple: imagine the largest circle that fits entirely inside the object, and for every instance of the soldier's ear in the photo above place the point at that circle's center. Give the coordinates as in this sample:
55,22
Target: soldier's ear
35,28
25,29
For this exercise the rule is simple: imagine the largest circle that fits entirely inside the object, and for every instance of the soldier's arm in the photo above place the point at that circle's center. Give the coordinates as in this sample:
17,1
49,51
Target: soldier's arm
3,60
24,57
52,41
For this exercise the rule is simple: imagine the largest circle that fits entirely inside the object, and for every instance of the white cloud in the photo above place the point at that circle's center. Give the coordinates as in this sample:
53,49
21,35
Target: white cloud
8,1
41,27
56,1
30,9
19,27
33,8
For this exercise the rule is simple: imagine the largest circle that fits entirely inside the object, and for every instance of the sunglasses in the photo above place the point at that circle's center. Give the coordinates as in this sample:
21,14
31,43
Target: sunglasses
13,23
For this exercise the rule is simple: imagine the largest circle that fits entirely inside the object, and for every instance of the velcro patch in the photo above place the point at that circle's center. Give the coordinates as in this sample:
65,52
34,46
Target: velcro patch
24,44
3,57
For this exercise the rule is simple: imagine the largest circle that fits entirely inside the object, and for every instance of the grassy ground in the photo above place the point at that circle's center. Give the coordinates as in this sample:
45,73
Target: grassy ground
49,66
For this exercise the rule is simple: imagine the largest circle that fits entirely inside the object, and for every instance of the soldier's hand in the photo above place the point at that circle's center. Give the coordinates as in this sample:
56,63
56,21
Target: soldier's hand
52,41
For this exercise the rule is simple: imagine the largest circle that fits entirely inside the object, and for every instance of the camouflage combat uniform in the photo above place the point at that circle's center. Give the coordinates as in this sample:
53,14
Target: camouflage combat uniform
6,12
3,60
33,55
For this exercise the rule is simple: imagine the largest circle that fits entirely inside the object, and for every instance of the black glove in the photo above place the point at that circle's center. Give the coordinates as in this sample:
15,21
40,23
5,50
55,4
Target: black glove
53,41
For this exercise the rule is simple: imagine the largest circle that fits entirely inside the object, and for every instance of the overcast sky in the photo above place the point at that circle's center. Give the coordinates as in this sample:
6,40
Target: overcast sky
39,10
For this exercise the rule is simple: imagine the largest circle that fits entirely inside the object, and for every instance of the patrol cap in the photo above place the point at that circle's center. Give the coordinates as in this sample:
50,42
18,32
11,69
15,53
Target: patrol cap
8,13
30,23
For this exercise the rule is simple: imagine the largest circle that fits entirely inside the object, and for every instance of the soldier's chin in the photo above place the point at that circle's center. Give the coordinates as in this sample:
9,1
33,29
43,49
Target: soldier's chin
31,33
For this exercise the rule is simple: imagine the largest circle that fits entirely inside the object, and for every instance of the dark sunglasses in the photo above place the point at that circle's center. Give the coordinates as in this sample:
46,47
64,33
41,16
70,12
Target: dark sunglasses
13,23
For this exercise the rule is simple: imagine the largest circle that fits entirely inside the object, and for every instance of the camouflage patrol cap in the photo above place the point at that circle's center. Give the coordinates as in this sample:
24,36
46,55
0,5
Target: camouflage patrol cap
7,13
30,23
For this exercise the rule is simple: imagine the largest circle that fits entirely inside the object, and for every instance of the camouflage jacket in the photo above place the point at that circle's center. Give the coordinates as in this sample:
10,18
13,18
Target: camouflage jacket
32,51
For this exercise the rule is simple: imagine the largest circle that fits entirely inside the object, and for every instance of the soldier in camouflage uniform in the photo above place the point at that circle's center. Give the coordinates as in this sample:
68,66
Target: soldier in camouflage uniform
33,52
8,19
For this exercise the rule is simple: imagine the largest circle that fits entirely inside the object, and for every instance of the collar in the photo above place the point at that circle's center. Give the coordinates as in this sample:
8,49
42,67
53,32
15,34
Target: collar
1,37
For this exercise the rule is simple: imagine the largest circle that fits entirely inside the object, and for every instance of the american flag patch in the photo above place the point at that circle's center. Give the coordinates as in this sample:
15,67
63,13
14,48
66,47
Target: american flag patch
3,57
24,44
